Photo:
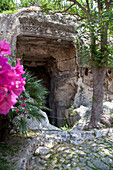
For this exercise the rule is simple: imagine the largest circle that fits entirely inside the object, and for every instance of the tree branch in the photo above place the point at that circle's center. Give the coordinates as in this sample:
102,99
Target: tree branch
77,3
99,5
108,4
76,14
88,6
64,10
80,18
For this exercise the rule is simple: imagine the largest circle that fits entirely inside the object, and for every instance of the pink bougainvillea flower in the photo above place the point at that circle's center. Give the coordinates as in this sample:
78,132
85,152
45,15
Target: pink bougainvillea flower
20,99
21,112
4,48
19,86
12,107
11,74
11,81
19,68
17,110
4,63
4,77
25,99
3,92
23,105
7,102
4,68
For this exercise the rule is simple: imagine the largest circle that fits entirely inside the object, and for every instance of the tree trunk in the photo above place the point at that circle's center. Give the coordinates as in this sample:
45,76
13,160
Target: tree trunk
97,115
98,94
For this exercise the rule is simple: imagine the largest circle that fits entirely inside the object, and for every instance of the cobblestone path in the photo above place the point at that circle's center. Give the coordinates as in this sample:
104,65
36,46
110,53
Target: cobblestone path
94,154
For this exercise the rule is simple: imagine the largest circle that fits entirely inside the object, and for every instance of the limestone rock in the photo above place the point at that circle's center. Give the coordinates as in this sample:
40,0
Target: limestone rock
72,116
42,150
43,124
108,107
83,95
85,113
102,132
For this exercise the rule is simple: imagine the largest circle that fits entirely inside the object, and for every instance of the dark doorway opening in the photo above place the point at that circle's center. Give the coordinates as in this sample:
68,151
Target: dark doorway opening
42,74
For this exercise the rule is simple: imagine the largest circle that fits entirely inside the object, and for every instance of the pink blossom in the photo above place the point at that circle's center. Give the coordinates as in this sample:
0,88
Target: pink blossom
23,105
4,68
19,68
3,77
12,107
19,86
11,81
7,102
4,63
25,98
4,48
17,110
3,92
20,99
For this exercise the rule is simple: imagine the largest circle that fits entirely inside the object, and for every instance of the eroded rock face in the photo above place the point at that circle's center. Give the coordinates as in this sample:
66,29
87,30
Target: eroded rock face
46,45
57,62
85,113
85,87
43,124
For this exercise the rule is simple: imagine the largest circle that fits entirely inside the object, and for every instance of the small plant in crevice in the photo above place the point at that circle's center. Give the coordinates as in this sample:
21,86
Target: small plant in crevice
72,111
66,127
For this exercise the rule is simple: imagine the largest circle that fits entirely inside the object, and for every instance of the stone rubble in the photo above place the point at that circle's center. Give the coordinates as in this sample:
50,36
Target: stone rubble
82,116
85,113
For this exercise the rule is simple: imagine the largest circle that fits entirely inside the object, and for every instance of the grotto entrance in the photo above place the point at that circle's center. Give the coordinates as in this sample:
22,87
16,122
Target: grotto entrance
54,62
42,74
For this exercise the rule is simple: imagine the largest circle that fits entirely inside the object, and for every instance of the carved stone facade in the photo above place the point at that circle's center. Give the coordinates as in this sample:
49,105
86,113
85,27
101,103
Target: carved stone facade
46,45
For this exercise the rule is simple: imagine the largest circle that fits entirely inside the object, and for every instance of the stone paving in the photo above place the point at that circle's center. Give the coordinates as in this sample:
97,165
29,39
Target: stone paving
58,151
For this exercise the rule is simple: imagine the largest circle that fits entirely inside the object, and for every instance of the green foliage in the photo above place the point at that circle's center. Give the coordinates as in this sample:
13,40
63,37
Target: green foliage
35,91
5,148
10,12
66,127
95,22
72,111
92,52
7,5
26,3
29,103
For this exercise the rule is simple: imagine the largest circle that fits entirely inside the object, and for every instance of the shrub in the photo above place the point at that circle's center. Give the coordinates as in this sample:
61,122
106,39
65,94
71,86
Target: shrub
7,5
29,103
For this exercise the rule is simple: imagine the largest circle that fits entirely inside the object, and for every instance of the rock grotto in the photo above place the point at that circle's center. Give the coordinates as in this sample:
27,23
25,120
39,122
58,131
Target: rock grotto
46,45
